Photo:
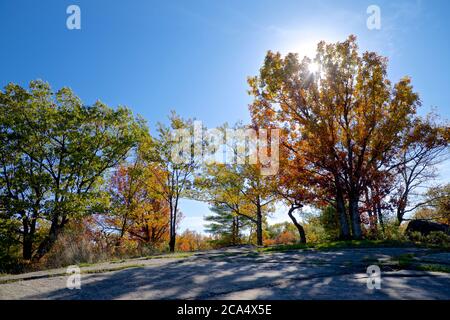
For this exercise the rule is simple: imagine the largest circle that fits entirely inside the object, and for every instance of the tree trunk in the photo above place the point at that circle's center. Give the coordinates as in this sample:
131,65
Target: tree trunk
172,243
301,230
259,231
373,222
356,219
233,231
380,216
173,224
237,230
27,240
29,230
27,248
372,213
400,214
343,221
50,239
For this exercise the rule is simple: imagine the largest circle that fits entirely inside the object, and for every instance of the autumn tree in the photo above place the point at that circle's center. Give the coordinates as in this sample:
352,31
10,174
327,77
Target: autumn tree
54,151
127,190
294,185
437,205
425,146
241,189
136,211
223,185
174,163
345,119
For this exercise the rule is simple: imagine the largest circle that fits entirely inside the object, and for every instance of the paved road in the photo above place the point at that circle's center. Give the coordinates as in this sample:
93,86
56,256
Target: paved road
244,274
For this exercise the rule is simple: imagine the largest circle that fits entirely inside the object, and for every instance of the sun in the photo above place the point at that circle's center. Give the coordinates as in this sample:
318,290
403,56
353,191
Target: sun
313,67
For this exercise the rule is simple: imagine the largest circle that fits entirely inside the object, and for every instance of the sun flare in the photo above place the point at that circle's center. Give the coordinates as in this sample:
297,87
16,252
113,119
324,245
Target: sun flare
313,67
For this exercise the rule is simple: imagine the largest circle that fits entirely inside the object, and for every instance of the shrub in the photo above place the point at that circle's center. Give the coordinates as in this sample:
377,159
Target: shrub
438,238
192,241
281,233
415,236
316,233
72,248
392,231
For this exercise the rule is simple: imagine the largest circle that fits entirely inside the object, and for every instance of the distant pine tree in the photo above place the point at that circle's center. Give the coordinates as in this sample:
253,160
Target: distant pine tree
225,225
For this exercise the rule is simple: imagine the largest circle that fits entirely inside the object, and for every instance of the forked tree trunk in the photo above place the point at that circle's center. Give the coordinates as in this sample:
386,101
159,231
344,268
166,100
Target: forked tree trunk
45,246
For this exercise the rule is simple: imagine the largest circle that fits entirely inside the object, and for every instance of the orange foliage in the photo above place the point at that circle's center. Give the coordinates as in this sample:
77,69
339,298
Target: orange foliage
192,241
137,213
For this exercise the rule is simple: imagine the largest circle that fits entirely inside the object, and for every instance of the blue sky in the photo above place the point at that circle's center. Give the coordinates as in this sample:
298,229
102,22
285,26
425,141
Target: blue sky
194,56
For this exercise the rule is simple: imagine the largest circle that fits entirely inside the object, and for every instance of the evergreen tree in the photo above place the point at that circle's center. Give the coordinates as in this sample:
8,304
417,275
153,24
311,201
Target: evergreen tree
225,225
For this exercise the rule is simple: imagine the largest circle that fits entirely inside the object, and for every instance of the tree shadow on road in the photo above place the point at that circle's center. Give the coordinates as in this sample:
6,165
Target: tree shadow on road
248,277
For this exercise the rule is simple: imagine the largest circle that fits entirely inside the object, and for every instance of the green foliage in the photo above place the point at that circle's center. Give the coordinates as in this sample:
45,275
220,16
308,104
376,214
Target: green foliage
434,239
54,151
323,226
392,231
329,220
438,238
438,205
240,188
315,231
415,236
172,151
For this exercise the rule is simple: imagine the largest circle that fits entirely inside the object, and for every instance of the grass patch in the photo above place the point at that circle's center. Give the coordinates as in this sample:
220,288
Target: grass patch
362,244
284,247
85,264
118,261
405,261
251,254
113,269
433,267
334,245
225,255
169,256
